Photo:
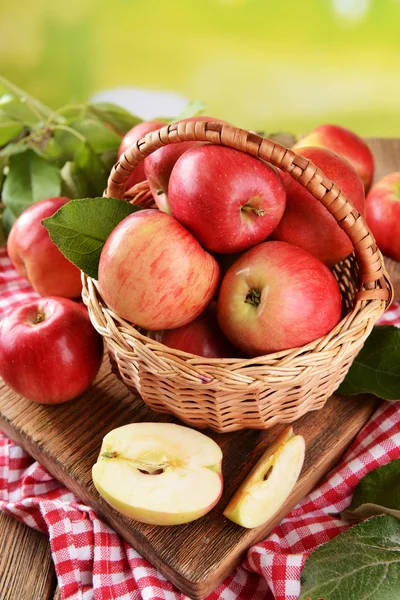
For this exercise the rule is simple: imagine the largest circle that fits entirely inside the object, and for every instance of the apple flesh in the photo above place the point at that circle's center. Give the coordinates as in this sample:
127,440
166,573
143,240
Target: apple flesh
276,297
159,473
383,214
49,350
346,143
134,135
269,483
226,198
306,222
154,273
37,258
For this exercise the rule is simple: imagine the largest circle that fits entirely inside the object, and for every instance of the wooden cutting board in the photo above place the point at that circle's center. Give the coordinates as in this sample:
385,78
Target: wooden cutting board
195,557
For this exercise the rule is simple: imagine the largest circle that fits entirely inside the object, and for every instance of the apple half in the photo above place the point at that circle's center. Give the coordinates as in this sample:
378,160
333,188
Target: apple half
269,483
159,473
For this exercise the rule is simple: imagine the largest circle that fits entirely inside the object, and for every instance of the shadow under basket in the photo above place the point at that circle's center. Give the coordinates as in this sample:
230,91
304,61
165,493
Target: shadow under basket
233,394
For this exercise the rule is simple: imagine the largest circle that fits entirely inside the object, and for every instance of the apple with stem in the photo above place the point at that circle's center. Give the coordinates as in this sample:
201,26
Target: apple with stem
154,273
159,473
269,483
49,350
346,143
383,214
276,297
37,258
229,200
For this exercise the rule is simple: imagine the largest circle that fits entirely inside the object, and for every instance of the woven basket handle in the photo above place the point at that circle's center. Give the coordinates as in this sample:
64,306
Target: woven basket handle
373,278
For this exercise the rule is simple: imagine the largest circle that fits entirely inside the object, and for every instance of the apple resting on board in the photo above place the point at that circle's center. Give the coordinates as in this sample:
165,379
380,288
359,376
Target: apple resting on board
159,473
383,214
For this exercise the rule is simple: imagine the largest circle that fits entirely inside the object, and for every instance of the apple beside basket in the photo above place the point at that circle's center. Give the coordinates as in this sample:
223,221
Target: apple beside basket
231,394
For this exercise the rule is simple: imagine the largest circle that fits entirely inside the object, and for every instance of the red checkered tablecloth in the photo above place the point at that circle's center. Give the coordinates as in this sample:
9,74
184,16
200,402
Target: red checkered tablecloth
93,562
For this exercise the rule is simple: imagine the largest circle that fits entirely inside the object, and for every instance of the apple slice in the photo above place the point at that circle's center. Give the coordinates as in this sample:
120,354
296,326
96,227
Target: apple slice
269,483
159,473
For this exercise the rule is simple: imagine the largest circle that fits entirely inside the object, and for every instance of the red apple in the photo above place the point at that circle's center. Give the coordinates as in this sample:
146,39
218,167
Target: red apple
202,337
226,198
346,143
383,214
35,256
135,134
159,164
275,297
49,350
306,222
154,273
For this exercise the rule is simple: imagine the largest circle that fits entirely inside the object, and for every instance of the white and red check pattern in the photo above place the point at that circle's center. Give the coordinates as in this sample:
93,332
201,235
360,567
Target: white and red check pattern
93,562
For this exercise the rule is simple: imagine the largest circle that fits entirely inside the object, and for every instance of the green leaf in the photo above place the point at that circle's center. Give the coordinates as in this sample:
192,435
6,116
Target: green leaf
9,130
25,100
4,158
30,179
73,182
99,136
376,369
193,109
117,117
80,228
92,168
7,220
377,493
361,563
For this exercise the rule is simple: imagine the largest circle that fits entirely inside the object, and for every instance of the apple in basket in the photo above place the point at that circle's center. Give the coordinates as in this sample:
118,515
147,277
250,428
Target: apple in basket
306,222
346,143
37,258
159,473
229,200
276,297
154,273
383,214
49,350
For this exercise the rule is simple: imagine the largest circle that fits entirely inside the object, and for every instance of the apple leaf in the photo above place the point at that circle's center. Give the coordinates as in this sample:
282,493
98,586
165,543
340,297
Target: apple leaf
117,117
30,179
376,368
362,562
100,137
377,493
193,109
80,228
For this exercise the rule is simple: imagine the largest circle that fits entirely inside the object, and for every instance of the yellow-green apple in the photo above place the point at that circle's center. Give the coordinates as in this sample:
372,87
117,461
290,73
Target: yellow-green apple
154,273
269,483
159,164
229,200
275,297
134,135
202,337
49,350
383,214
35,256
306,222
346,143
159,473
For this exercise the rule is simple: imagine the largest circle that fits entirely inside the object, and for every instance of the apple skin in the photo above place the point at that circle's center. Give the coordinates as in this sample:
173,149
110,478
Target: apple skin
131,137
49,350
217,193
347,144
36,258
154,273
298,300
158,165
306,222
202,337
383,214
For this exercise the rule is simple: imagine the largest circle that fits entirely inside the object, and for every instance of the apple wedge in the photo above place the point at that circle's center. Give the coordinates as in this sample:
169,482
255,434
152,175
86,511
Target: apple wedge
159,473
269,483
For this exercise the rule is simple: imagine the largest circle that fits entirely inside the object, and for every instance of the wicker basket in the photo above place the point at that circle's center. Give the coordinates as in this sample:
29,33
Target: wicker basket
231,394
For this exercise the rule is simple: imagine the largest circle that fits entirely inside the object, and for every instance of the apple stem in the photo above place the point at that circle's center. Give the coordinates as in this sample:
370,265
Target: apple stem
112,454
40,318
253,297
257,211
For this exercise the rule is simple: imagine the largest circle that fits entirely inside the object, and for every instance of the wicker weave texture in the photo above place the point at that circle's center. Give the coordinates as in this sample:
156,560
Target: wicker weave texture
231,394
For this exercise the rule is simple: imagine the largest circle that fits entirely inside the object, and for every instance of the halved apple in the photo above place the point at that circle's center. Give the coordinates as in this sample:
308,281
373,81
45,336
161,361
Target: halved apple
159,473
269,483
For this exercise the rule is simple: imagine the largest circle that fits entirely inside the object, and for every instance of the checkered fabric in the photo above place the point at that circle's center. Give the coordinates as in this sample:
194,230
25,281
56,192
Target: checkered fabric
93,562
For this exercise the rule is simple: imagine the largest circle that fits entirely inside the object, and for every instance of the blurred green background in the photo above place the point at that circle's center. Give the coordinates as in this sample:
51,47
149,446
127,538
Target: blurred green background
287,65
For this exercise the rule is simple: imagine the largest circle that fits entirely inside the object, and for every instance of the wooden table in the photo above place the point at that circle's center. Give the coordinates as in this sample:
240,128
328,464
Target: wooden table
25,559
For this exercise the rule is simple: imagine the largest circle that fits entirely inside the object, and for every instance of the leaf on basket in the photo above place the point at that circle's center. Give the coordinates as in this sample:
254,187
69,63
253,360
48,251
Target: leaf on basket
81,227
362,562
377,493
376,369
